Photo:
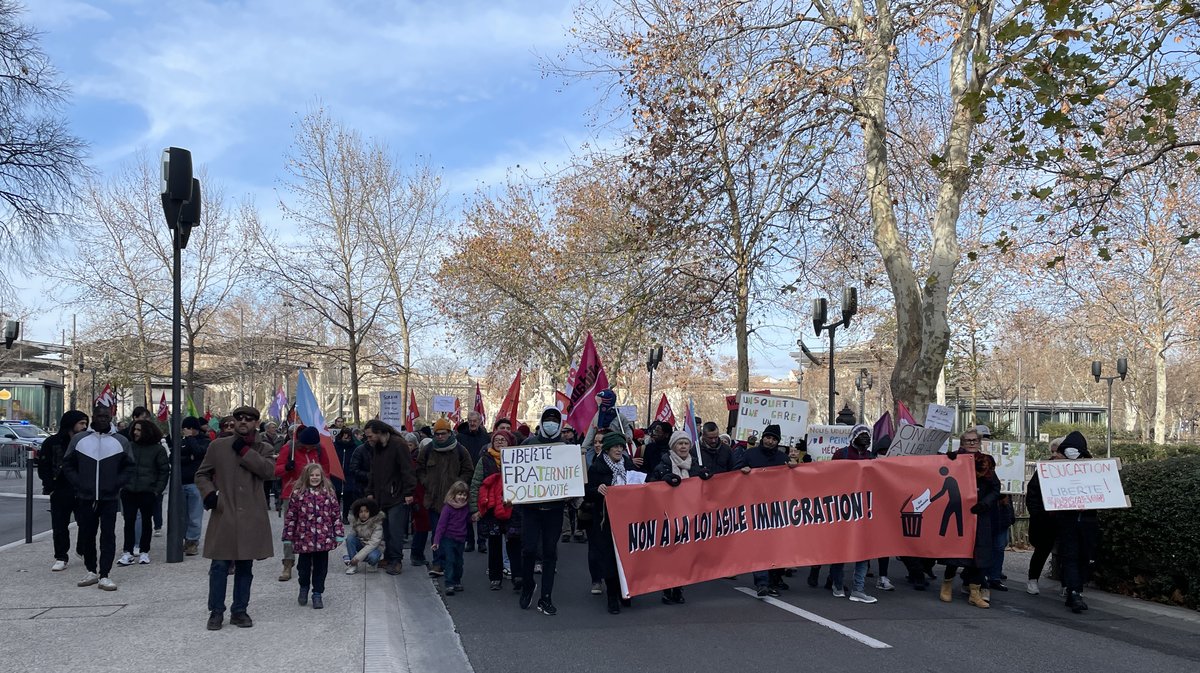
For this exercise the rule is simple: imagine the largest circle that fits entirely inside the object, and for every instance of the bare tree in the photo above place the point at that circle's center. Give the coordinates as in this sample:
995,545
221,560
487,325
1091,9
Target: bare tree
41,161
331,272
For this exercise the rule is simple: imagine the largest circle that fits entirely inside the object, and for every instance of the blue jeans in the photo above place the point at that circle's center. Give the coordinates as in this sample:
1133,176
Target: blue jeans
765,578
218,578
355,545
452,559
394,526
999,542
193,505
860,574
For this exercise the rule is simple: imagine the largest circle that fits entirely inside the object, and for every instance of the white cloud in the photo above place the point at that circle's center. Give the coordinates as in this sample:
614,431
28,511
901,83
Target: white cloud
58,14
206,72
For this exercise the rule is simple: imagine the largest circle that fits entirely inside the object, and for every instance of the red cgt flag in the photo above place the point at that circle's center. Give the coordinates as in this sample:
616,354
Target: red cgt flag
410,419
479,405
508,408
163,411
664,413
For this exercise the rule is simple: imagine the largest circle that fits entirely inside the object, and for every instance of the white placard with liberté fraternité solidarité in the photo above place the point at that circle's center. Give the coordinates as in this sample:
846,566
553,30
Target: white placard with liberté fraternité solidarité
541,472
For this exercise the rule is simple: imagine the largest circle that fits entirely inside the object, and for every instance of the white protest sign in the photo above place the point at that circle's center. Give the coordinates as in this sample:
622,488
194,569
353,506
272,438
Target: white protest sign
756,412
541,472
391,408
1010,463
825,440
916,441
938,417
1081,484
629,411
443,404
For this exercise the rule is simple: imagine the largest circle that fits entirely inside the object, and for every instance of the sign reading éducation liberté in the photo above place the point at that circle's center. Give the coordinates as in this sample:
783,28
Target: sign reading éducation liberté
541,472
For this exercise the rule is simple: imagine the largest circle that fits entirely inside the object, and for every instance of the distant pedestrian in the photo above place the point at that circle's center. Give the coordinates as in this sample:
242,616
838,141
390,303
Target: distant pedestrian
152,471
313,526
1043,526
441,464
610,468
498,521
98,464
1078,533
195,445
450,536
678,464
56,485
859,448
347,488
230,479
761,455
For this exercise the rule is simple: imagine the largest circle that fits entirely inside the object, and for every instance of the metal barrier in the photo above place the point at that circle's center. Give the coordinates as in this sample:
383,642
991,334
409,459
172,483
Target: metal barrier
13,458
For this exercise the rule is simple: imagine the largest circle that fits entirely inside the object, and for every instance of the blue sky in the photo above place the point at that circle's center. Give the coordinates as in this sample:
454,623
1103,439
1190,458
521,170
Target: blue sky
457,81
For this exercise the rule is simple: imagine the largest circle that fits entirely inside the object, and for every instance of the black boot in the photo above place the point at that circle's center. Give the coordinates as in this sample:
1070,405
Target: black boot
1075,602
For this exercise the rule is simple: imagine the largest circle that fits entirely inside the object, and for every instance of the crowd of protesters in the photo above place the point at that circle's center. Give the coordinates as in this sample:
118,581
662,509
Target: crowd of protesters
379,491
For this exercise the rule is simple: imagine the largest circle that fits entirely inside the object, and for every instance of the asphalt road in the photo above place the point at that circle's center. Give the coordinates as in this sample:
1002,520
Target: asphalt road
722,629
12,518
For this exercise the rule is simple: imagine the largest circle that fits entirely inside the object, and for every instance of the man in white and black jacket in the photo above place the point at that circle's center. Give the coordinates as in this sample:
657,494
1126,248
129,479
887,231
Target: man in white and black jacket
98,464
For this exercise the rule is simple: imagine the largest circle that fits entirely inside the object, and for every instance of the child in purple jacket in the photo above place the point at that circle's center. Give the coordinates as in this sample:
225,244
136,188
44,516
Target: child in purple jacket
451,535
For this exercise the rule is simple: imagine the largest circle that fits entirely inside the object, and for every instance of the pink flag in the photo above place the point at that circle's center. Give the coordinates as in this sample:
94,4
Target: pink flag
903,415
590,379
664,413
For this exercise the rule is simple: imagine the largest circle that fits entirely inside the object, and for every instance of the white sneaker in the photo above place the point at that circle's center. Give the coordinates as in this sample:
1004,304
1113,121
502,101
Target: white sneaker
597,588
59,565
88,580
144,559
372,568
107,584
885,584
1031,588
838,592
157,532
860,597
125,560
136,551
352,570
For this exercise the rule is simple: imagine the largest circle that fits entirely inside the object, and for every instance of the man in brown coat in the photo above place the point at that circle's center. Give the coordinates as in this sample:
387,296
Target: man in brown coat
391,483
444,462
230,479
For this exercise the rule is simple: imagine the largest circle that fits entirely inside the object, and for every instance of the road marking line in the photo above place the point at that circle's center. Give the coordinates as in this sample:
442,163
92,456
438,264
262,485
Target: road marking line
818,619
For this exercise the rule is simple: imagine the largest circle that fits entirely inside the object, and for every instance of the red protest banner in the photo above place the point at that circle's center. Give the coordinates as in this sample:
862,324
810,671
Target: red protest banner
781,517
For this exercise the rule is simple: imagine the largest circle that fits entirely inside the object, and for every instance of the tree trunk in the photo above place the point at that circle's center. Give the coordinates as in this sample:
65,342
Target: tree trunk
1160,393
354,381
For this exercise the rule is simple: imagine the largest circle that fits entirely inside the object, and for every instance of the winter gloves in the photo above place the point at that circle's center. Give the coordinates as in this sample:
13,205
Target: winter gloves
210,500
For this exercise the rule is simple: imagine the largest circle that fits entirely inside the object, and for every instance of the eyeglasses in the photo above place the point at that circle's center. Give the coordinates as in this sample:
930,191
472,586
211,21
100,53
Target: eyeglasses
244,417
972,440
441,433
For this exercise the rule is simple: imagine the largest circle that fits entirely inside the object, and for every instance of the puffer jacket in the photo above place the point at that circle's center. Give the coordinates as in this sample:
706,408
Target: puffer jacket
313,522
370,533
491,498
152,469
190,457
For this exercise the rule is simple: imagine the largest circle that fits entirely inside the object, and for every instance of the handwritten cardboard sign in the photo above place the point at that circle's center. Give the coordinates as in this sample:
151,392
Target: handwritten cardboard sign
826,440
443,404
756,412
391,408
1081,484
541,472
916,441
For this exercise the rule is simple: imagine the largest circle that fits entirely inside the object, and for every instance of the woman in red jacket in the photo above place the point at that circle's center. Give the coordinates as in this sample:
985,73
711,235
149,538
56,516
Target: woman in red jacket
304,448
497,519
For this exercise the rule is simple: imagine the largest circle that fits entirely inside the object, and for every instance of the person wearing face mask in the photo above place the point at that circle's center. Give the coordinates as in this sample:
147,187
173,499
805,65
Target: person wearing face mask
1078,533
679,464
608,418
1043,527
766,453
858,449
98,464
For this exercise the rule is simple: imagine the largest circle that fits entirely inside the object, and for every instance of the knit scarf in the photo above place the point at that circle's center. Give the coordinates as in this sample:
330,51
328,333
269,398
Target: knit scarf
618,470
450,445
495,454
681,466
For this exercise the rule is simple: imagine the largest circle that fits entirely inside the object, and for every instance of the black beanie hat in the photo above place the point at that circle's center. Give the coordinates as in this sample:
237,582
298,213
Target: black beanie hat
772,431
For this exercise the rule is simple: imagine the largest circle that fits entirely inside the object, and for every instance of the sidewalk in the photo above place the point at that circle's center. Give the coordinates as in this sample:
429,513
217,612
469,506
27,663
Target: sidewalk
156,619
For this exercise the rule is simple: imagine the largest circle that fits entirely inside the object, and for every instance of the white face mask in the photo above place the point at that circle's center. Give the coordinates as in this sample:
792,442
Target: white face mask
1071,453
550,428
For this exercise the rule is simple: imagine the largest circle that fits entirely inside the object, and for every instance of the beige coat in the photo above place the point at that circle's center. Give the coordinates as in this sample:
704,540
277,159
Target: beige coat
238,529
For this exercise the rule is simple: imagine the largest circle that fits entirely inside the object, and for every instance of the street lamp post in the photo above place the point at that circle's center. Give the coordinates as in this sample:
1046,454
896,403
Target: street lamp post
652,362
181,207
820,314
1122,370
863,382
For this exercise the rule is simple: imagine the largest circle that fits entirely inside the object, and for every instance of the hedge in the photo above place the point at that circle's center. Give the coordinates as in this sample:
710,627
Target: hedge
1152,549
